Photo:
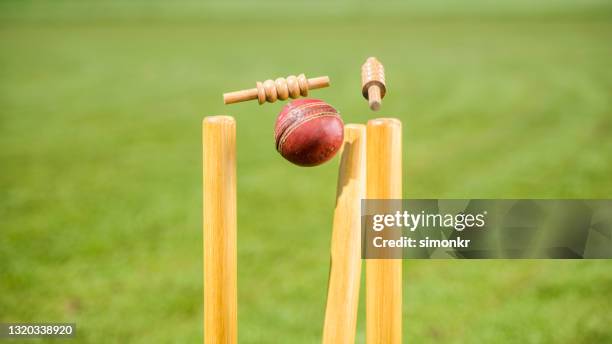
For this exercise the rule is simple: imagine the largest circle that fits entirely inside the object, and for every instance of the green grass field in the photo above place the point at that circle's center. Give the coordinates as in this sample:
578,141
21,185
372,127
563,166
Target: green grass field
100,150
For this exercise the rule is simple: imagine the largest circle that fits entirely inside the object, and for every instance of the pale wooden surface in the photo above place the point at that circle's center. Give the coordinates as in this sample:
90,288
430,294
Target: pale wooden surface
384,276
220,262
374,98
345,272
281,88
373,85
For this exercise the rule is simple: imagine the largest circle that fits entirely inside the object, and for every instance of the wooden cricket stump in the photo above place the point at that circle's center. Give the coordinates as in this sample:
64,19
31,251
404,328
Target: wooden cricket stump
281,88
345,271
219,229
373,82
384,276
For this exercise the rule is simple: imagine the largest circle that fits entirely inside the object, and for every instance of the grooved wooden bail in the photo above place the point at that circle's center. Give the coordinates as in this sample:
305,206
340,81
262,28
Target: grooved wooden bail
280,88
373,82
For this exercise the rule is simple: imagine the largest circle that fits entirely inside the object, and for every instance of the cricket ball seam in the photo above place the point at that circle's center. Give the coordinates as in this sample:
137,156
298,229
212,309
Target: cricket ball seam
300,112
294,126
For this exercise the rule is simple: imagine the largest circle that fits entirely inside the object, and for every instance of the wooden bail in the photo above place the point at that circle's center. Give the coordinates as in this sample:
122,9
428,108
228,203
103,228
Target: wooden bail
281,88
373,82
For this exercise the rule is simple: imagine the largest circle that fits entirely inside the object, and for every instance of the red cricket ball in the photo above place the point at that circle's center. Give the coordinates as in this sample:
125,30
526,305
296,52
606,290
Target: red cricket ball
308,132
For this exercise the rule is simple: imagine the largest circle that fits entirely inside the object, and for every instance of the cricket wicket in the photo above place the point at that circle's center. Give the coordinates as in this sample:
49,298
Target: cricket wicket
219,229
370,167
345,271
384,276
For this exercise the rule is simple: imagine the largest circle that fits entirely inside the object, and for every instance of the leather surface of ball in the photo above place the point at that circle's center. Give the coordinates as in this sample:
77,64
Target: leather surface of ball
308,132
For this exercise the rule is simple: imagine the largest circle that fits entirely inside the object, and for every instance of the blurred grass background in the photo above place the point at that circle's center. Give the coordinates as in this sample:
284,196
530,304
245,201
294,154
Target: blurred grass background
100,177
